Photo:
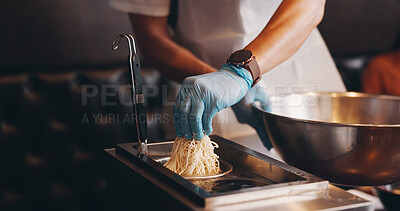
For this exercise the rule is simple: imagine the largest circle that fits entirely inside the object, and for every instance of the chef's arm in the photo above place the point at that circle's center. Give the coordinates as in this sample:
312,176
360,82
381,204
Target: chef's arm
162,52
288,28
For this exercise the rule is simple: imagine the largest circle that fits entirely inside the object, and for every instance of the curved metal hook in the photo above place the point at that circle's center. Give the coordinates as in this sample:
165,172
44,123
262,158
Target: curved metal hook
131,43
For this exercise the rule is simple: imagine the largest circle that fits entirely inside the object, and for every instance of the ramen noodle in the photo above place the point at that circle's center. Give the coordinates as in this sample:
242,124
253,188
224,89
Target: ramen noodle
194,157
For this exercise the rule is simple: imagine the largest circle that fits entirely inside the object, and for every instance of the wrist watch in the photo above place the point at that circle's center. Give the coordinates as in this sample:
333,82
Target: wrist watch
245,58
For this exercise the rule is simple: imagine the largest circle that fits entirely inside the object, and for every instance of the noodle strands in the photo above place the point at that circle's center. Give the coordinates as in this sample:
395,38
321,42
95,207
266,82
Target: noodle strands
194,157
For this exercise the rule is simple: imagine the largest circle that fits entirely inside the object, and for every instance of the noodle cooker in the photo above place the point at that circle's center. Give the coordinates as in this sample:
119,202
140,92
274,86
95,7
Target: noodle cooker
256,181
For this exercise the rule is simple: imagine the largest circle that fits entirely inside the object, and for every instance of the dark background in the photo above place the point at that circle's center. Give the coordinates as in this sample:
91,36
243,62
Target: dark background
59,33
50,49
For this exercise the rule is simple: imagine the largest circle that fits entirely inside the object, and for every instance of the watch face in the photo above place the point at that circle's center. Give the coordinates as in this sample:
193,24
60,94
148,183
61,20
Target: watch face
240,56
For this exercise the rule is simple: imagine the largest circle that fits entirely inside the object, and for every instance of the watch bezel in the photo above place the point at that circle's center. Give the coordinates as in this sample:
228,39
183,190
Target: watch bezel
241,57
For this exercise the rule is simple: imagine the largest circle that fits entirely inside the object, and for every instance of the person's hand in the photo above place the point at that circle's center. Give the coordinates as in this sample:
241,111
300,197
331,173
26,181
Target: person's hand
247,115
202,96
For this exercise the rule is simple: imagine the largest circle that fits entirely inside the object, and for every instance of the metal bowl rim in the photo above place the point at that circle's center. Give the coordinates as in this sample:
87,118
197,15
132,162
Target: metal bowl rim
348,94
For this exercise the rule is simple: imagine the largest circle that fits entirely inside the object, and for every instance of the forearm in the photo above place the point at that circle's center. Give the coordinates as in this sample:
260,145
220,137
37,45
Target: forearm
288,28
174,61
162,52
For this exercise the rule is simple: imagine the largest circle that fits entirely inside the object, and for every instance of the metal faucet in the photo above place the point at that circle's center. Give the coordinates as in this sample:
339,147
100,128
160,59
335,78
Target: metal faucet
137,90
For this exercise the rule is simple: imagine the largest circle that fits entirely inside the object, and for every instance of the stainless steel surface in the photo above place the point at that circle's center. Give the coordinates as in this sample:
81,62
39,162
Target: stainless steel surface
254,175
137,89
347,138
159,150
225,168
280,187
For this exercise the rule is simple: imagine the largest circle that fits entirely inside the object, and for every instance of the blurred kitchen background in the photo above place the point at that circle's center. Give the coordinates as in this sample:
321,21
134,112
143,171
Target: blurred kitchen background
50,158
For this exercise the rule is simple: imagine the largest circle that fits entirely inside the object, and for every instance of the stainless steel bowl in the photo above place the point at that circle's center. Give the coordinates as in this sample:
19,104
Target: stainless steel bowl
347,138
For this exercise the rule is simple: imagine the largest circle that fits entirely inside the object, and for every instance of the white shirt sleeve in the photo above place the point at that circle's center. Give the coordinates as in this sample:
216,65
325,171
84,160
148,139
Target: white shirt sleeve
157,8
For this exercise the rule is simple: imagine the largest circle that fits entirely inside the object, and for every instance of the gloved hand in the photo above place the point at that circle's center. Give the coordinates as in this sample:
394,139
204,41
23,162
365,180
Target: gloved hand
202,96
246,114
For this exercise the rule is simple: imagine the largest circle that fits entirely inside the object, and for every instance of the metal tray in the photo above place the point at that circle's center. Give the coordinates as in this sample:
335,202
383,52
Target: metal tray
254,176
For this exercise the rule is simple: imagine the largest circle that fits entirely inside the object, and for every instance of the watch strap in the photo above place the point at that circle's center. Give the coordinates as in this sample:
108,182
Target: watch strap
245,58
254,69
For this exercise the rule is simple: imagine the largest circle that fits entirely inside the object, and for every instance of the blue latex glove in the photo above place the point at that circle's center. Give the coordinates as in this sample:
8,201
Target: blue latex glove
202,96
247,115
